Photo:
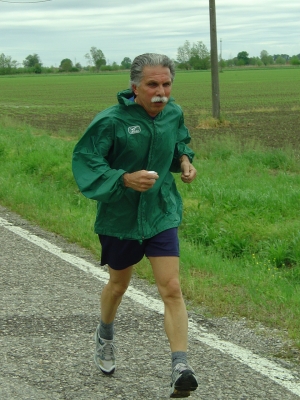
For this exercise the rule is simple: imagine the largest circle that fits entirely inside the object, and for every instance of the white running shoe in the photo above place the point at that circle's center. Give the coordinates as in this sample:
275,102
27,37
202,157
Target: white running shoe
104,354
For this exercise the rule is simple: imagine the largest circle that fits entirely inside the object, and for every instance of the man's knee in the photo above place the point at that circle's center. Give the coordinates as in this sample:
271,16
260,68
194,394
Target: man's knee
170,290
119,281
117,289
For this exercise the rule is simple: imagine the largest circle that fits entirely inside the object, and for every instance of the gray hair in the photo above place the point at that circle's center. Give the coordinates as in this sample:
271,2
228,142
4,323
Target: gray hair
152,60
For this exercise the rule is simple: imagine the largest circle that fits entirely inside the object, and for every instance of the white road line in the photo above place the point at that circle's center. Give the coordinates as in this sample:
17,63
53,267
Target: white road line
261,365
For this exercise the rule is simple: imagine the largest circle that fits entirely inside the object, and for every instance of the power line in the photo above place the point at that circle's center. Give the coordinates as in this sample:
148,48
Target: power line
23,2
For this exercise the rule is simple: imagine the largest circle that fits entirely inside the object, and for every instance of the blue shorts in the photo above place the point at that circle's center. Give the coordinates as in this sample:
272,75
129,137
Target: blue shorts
120,254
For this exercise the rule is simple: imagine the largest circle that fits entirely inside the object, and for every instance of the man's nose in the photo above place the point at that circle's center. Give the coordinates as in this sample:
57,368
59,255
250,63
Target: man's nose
160,90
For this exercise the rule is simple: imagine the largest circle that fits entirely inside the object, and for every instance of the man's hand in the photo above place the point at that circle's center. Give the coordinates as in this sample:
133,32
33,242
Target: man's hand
188,170
140,181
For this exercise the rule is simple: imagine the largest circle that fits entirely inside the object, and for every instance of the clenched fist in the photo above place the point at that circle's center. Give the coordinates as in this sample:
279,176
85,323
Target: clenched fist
140,181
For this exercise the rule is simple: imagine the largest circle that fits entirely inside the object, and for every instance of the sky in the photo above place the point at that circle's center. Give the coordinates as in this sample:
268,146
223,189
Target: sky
58,29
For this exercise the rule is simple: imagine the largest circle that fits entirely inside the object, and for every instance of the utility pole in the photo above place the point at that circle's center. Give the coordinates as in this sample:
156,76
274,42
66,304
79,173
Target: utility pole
221,69
214,61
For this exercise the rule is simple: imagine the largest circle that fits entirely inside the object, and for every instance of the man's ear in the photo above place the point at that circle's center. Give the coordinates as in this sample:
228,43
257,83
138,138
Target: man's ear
134,89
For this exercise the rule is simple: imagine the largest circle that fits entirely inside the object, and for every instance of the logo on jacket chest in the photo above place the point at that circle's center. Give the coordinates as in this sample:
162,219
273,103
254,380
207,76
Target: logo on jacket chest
132,130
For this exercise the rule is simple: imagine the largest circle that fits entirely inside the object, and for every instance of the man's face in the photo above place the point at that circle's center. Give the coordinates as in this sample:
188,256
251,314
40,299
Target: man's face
156,82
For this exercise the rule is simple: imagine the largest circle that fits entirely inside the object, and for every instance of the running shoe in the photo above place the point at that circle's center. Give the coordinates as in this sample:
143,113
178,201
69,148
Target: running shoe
183,381
104,354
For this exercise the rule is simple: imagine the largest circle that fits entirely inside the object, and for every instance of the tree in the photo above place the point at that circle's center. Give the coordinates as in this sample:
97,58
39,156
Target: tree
254,61
96,57
295,60
126,63
32,61
66,65
243,58
199,63
200,56
266,58
115,66
263,55
200,50
285,56
222,64
196,56
230,62
37,69
280,60
7,64
184,55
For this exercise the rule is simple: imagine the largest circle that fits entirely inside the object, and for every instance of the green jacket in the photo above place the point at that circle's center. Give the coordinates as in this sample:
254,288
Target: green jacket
124,138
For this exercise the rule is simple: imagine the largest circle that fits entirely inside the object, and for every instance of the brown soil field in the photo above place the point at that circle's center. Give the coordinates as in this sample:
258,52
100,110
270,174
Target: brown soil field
260,105
271,129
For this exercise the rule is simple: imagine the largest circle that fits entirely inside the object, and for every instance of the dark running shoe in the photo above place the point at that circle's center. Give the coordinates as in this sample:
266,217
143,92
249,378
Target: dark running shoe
183,381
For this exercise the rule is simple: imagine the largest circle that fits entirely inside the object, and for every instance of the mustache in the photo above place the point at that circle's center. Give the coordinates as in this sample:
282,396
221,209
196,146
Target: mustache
159,99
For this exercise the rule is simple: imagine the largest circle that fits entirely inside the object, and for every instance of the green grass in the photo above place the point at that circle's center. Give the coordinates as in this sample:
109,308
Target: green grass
240,238
246,202
36,182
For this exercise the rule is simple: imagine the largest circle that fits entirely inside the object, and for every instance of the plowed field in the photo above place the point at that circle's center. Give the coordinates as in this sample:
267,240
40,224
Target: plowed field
257,104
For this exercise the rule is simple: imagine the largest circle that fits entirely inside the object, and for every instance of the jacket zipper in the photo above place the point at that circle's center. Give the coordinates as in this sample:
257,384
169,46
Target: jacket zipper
142,211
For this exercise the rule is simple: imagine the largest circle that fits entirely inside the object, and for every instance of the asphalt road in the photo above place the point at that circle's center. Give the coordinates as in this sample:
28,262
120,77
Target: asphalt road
49,311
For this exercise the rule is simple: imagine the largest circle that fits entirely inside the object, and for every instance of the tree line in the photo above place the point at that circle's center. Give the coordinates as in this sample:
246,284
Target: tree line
190,56
265,59
33,64
196,56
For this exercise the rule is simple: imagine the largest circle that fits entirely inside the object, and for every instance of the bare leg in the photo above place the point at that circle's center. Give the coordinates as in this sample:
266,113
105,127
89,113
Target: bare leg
112,293
166,273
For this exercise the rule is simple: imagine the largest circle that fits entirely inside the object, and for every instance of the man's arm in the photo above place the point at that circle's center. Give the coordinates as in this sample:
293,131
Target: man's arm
92,172
189,172
182,151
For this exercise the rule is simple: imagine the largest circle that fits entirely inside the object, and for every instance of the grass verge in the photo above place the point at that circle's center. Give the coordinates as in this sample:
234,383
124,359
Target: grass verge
240,237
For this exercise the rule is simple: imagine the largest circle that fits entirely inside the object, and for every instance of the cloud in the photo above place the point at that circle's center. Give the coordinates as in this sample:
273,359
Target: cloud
64,29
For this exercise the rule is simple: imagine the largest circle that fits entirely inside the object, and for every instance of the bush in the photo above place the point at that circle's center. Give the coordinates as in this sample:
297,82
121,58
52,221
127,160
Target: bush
294,60
37,69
